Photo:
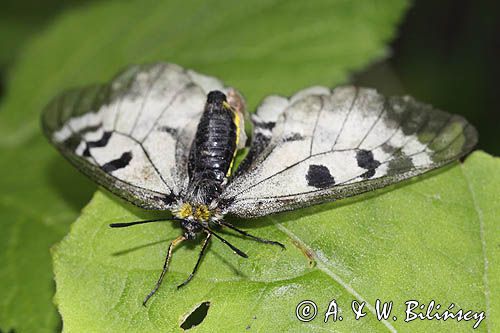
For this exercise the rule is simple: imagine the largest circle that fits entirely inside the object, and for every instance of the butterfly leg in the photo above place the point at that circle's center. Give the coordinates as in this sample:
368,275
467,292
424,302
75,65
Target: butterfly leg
244,233
173,244
203,248
234,248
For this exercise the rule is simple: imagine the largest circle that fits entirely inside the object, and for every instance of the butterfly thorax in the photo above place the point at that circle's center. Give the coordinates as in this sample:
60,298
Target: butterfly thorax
212,151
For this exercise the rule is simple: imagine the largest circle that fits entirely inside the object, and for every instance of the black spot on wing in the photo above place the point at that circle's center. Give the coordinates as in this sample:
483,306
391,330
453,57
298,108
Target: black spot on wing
319,176
366,161
76,138
369,174
267,125
102,142
119,163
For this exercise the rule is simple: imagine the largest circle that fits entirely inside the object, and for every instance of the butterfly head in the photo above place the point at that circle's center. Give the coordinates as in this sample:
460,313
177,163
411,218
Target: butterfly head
217,100
191,228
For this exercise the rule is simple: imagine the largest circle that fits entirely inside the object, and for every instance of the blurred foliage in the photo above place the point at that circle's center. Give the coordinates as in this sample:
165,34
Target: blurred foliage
447,54
19,20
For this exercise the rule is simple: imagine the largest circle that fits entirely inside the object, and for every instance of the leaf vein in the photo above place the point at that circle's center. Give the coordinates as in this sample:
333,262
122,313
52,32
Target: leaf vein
321,265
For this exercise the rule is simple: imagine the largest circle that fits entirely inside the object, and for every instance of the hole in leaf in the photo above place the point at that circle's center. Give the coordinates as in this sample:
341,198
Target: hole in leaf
196,317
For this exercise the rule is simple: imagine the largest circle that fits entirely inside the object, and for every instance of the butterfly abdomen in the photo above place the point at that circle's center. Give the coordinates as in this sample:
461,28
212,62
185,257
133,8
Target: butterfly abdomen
213,149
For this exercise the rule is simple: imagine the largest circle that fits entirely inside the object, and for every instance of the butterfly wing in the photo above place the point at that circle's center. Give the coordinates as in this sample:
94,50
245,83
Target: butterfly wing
322,145
132,135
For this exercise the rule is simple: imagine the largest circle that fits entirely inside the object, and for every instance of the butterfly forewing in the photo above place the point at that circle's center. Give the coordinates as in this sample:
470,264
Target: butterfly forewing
321,145
133,134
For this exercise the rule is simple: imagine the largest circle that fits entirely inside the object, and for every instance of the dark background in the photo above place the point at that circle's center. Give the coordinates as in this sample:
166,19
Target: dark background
446,53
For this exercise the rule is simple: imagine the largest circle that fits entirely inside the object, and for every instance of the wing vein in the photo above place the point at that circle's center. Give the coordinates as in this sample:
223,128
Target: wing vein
316,124
169,104
148,157
374,123
146,97
117,110
346,117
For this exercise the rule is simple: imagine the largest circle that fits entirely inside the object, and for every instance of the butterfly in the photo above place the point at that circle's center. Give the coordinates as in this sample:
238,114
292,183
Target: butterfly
165,138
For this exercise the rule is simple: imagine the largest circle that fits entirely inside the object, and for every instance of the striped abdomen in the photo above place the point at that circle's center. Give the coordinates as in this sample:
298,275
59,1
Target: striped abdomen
213,149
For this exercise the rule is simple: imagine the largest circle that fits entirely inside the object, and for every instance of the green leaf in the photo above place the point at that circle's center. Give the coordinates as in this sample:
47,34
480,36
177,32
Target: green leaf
433,238
260,47
36,206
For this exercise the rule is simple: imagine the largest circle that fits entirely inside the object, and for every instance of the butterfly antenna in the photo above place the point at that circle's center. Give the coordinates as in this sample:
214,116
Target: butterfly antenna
172,245
234,248
128,224
244,233
203,248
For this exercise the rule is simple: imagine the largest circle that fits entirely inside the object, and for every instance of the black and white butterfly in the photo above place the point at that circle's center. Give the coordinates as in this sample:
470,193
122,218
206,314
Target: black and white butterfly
165,138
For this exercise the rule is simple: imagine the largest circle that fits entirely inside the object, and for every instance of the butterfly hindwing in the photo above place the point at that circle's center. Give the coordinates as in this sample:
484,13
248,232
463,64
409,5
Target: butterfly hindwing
133,134
323,145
